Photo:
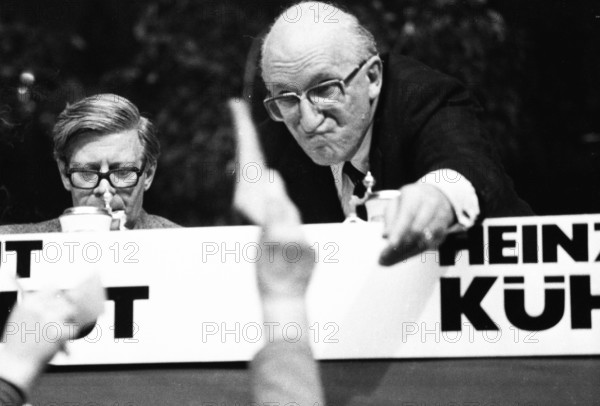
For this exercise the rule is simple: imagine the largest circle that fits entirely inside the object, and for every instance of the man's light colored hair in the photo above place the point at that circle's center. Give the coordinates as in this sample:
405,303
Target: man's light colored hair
362,40
103,114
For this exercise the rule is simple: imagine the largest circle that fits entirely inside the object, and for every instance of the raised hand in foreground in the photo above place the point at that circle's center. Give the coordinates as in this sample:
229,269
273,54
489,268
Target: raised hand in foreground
23,354
283,372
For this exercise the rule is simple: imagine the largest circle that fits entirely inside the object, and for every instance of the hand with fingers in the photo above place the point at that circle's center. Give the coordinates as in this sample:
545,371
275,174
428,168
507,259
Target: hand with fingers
264,199
282,283
417,220
282,372
23,357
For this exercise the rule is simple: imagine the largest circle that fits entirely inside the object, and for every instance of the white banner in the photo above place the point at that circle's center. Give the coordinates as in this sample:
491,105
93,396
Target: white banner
516,287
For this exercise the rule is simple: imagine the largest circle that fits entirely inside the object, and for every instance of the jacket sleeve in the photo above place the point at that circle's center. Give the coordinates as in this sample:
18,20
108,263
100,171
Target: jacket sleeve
449,134
10,395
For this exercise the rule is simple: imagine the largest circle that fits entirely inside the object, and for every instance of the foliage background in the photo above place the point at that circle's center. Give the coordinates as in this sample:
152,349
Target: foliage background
534,66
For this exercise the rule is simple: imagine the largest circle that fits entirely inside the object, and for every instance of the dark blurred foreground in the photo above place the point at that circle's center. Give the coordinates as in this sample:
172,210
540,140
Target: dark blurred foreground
534,65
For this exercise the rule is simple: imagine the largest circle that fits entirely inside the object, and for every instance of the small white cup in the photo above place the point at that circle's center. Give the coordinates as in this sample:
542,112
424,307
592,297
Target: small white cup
85,218
377,203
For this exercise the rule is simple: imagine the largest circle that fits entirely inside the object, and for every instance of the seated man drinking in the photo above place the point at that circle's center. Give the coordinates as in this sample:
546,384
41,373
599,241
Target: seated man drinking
107,156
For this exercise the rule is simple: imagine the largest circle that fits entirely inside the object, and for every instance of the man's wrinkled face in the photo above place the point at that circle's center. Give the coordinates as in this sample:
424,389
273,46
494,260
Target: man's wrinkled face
103,153
333,134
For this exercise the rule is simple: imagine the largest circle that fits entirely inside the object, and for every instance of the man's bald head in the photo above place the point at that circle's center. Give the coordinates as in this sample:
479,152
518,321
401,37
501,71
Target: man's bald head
311,25
324,79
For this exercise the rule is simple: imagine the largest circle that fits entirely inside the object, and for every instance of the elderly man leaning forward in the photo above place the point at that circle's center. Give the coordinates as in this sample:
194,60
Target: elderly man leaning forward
339,109
105,151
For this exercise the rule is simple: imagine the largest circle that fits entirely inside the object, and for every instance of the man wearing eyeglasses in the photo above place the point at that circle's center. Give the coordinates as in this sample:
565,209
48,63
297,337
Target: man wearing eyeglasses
106,154
350,111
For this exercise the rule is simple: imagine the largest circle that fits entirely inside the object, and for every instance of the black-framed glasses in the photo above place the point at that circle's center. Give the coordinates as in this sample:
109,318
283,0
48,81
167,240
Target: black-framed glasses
323,95
125,177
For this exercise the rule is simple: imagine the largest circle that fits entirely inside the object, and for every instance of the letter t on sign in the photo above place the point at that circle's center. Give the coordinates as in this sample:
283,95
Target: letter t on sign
124,298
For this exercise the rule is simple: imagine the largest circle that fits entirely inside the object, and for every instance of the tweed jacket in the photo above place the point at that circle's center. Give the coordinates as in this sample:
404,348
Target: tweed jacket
145,221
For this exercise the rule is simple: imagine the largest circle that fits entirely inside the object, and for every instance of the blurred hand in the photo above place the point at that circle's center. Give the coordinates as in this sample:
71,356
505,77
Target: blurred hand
418,220
264,199
282,274
42,323
24,356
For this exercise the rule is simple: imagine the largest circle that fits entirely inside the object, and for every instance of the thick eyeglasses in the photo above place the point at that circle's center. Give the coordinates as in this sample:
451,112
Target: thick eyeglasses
324,95
118,178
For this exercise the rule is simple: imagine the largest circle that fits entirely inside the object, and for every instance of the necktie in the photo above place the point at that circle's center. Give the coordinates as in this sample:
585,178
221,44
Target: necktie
356,177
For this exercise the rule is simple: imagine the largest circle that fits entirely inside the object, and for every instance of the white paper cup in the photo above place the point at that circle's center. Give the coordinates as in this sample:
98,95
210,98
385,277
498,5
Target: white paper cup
378,202
85,218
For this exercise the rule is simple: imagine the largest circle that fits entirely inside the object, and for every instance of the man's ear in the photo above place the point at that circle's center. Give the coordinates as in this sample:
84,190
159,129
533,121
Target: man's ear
149,171
62,169
375,76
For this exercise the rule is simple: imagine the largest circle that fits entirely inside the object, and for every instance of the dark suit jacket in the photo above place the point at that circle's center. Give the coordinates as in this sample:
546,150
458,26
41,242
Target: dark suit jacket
53,226
425,120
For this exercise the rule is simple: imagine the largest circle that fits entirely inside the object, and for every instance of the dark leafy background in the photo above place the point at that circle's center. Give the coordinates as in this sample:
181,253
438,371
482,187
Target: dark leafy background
534,65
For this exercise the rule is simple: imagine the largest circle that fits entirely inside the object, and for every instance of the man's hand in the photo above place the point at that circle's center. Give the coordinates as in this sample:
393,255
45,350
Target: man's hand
283,276
264,200
60,312
24,356
417,220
